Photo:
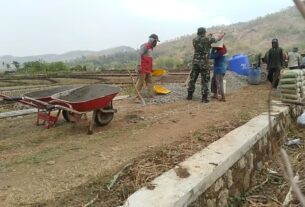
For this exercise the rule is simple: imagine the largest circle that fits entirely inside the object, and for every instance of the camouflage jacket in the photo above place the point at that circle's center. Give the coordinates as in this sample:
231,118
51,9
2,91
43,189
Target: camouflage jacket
202,46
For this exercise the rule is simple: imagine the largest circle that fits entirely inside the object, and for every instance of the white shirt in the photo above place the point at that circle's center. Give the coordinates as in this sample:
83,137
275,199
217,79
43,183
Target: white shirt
294,59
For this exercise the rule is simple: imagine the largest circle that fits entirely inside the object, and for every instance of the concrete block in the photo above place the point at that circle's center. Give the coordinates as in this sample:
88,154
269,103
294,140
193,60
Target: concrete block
223,198
278,128
218,185
229,178
247,179
265,141
242,163
259,166
260,145
211,203
250,161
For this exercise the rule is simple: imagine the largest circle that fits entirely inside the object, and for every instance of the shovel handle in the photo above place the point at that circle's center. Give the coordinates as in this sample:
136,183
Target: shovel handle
134,85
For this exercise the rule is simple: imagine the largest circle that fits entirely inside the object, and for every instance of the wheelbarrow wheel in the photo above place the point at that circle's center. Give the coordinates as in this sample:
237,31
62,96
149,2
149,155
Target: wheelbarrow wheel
67,116
102,118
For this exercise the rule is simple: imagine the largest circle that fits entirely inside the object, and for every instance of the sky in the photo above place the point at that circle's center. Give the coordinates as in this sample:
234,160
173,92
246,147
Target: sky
35,27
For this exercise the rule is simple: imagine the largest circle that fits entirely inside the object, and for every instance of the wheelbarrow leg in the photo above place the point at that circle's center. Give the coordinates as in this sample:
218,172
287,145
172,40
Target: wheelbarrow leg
37,117
91,123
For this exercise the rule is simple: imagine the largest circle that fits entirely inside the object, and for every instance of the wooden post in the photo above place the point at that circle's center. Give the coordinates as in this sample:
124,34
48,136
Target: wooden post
187,79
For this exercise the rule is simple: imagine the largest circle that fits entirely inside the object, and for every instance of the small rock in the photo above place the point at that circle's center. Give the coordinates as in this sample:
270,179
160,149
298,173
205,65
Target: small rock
230,178
218,185
241,163
174,120
246,180
51,162
259,166
223,198
151,186
211,202
181,172
80,175
6,187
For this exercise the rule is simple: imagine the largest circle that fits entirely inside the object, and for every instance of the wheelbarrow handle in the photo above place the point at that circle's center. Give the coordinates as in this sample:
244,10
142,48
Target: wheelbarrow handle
50,107
8,98
12,98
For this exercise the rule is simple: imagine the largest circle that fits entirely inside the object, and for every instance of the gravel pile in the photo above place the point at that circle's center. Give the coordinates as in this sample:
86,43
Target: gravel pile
235,81
178,91
48,92
90,92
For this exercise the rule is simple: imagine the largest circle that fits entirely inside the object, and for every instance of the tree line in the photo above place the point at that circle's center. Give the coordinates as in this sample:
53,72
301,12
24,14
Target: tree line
117,61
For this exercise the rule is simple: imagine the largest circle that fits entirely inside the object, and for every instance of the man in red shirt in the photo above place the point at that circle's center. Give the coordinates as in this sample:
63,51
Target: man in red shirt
146,63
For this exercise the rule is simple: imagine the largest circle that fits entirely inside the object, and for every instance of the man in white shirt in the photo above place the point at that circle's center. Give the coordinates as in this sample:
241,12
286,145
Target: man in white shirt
294,59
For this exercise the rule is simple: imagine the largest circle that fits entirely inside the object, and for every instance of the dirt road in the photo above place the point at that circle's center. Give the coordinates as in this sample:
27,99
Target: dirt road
39,165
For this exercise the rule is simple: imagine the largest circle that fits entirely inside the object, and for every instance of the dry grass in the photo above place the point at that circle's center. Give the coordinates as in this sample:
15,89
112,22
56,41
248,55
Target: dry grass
273,186
145,168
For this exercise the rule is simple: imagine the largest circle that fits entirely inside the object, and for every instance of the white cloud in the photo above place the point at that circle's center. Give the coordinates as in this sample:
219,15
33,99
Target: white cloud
220,21
165,9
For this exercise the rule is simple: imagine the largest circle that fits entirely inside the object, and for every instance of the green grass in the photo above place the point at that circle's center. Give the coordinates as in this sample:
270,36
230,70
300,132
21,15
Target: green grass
34,159
128,90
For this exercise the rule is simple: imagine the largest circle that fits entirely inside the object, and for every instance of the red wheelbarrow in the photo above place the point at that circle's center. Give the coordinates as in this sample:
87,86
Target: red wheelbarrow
73,103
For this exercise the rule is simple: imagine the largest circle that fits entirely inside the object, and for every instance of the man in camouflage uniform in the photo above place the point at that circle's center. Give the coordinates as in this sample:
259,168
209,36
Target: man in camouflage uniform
202,45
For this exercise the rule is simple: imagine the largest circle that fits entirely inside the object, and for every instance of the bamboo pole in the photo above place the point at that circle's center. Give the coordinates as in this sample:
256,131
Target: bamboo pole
134,85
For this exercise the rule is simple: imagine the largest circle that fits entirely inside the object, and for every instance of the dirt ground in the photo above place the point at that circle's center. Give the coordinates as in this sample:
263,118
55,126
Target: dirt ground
63,166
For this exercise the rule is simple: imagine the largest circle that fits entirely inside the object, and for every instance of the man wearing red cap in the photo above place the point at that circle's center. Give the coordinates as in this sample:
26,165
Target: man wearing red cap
146,63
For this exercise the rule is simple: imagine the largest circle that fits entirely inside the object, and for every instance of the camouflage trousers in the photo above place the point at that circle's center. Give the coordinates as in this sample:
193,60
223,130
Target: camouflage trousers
205,78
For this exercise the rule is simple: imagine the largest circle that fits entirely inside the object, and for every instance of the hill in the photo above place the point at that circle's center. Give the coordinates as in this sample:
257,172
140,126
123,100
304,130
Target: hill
247,37
66,56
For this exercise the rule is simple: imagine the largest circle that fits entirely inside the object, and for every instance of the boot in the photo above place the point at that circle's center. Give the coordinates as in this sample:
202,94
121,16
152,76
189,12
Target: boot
214,96
222,99
205,98
189,96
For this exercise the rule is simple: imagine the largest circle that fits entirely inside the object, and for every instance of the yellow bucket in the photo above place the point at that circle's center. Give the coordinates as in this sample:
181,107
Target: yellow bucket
159,72
161,90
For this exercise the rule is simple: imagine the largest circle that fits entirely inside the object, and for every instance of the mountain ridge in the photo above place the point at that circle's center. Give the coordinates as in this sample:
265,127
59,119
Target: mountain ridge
70,55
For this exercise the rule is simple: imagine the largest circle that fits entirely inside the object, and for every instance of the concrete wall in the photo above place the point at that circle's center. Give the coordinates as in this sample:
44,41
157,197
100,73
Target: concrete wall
224,168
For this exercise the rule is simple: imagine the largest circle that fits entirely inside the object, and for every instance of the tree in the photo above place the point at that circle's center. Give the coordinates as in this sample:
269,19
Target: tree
16,64
43,67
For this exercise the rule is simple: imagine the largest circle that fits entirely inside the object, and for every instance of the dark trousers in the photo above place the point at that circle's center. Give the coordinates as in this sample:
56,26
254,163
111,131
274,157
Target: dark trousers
217,85
205,78
213,85
274,76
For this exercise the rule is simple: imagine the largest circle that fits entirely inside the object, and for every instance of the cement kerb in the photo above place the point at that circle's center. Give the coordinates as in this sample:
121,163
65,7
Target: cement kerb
24,112
205,167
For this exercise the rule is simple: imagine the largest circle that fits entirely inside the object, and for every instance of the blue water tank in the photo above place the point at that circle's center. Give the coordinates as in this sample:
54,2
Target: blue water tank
254,76
240,64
